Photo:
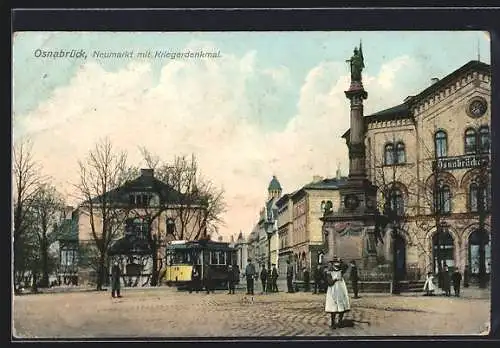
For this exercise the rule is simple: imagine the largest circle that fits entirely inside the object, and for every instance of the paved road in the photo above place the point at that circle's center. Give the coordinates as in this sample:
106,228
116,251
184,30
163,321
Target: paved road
164,312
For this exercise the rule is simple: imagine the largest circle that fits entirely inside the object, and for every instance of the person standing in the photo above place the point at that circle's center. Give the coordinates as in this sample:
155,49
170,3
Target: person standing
195,280
250,275
289,277
354,277
208,279
456,277
466,276
446,281
274,279
318,276
307,280
115,280
263,278
231,279
429,286
337,298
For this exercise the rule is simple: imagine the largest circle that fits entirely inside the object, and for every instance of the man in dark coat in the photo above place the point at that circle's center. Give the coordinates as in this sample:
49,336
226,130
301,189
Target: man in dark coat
250,275
353,276
446,281
263,278
115,280
274,279
231,278
195,280
456,277
307,280
466,276
207,279
318,276
289,276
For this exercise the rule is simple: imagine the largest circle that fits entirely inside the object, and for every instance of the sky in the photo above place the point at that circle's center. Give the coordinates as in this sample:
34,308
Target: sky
271,103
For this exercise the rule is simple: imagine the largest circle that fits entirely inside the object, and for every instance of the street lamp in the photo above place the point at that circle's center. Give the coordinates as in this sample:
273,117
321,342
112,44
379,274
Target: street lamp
269,231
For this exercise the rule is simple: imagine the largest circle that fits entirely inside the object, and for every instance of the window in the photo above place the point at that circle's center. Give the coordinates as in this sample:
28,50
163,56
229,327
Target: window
218,257
474,197
131,199
470,141
444,199
397,202
389,154
484,139
170,226
441,143
68,257
394,154
400,153
473,192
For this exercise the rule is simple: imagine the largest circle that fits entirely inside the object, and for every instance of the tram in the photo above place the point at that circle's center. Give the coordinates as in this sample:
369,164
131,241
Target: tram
182,256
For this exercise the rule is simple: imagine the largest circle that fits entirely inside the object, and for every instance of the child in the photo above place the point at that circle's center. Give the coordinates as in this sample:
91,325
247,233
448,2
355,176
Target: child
429,286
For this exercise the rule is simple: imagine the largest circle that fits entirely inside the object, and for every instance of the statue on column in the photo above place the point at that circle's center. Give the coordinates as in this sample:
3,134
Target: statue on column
357,64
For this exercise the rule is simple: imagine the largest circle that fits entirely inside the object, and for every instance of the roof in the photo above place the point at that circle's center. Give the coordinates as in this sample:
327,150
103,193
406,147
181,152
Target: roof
128,246
283,200
274,185
69,231
403,110
144,183
325,184
200,244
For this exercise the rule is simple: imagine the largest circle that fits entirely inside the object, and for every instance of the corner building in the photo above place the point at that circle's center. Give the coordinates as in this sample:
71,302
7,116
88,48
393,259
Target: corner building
446,125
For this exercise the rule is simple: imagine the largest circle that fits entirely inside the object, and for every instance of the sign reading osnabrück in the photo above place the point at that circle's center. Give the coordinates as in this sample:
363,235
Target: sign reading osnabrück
462,162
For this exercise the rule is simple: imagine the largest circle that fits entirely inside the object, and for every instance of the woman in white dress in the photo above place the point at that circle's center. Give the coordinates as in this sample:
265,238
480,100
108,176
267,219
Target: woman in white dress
337,297
429,286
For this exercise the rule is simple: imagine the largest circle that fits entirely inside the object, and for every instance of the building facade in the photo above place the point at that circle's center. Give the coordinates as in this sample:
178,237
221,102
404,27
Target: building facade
430,159
299,225
141,209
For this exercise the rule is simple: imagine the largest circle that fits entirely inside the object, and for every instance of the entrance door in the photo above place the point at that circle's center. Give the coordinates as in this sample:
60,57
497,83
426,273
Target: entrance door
400,246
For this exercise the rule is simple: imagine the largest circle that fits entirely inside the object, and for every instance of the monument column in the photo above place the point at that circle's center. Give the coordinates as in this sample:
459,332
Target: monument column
354,222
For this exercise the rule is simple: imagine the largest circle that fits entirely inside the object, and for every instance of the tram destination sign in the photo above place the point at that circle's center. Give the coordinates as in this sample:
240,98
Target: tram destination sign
461,162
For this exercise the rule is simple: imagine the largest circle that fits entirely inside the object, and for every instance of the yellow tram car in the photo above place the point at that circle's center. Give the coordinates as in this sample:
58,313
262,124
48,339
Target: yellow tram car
182,256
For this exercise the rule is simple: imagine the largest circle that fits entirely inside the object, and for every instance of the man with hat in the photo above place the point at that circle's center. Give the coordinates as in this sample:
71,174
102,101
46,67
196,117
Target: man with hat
289,277
274,279
250,275
337,297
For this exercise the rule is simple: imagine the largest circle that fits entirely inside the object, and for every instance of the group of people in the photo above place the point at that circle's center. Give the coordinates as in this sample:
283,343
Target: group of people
445,280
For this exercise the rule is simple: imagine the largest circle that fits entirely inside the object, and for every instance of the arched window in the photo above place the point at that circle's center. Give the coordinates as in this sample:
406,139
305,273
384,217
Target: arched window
474,197
389,154
400,153
397,202
444,199
484,139
441,143
473,193
474,258
470,141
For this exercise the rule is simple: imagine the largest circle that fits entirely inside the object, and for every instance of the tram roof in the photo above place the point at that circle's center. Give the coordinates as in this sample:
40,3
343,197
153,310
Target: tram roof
199,244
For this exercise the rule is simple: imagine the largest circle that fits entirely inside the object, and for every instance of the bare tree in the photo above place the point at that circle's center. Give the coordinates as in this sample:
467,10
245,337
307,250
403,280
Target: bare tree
196,204
101,174
27,180
48,209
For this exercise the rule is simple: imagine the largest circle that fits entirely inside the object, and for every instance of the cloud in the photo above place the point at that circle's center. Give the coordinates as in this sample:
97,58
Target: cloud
203,107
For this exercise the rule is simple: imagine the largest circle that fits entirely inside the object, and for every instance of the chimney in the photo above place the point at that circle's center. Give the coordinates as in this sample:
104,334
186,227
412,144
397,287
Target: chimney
338,174
317,178
434,80
147,172
232,238
220,238
68,212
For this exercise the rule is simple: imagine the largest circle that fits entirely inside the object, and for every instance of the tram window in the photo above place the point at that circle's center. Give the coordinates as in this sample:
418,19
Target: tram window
214,258
222,257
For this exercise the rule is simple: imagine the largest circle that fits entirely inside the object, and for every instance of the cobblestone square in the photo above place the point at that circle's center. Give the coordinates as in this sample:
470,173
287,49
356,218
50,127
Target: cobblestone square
165,312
